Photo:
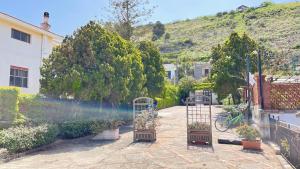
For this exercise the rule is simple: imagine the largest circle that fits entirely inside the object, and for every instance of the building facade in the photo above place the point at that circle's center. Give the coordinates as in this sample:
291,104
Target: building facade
23,46
170,72
202,70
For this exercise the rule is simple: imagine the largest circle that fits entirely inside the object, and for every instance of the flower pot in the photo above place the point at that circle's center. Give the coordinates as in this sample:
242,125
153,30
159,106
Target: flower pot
251,144
112,134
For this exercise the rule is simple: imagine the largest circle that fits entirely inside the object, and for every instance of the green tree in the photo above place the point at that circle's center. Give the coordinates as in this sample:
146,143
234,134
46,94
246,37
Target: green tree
186,85
229,65
158,30
153,68
127,13
93,64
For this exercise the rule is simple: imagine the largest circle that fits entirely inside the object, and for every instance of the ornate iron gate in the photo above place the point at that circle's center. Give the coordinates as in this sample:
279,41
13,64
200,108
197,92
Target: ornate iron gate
198,114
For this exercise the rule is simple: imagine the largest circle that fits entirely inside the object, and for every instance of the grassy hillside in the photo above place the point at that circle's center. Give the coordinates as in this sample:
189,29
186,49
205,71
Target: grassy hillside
276,26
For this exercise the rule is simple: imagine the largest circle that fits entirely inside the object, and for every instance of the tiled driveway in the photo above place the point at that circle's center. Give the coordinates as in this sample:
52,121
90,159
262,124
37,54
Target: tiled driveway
169,151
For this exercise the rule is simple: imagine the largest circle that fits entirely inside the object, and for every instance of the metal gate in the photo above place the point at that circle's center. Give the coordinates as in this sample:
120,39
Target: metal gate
198,115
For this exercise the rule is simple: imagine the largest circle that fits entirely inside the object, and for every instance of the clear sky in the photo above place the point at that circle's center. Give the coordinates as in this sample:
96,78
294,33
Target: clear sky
67,15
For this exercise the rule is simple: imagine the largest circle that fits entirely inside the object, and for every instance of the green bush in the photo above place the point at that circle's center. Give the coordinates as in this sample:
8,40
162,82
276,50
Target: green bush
8,104
75,129
202,86
169,97
186,85
80,128
21,138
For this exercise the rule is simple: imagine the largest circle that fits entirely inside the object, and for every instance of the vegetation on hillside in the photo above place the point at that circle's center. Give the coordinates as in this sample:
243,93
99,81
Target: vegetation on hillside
276,26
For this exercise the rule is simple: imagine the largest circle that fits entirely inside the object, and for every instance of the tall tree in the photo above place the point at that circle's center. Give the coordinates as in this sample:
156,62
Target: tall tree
158,30
229,64
153,68
94,64
127,13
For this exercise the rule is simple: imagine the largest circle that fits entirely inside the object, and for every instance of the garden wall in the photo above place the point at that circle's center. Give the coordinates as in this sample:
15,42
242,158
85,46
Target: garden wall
288,138
277,95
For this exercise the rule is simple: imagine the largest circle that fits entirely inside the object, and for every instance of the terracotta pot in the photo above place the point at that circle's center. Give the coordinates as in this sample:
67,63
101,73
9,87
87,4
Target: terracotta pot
252,144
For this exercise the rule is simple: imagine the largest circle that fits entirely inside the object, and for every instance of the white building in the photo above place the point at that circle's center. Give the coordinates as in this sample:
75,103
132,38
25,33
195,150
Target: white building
171,72
202,69
22,47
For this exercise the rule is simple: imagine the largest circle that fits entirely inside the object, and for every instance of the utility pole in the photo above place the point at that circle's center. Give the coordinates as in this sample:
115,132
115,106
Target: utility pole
260,81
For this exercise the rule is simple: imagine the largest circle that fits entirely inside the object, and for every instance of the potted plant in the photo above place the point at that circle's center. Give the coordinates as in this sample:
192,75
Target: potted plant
250,137
144,127
106,130
199,133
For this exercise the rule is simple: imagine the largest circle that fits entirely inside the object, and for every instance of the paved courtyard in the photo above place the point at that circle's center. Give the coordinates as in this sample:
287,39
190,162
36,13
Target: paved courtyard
169,151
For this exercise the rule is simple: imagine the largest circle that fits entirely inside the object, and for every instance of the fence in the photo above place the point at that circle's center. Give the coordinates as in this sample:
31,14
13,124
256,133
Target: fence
287,136
285,96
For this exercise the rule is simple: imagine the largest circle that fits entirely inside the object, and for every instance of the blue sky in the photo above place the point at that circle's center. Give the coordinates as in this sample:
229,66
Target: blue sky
67,15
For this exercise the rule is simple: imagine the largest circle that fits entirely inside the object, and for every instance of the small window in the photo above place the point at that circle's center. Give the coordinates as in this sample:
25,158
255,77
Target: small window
18,77
206,72
25,37
169,74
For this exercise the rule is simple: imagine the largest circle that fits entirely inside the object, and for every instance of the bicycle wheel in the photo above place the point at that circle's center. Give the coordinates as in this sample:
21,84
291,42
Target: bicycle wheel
222,123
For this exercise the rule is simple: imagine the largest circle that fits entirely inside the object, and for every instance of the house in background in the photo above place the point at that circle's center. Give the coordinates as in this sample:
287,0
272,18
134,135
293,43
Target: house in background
171,72
23,46
202,70
242,8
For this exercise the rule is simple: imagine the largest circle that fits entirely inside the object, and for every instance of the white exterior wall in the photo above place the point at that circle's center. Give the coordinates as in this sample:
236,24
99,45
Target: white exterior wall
170,68
14,52
199,71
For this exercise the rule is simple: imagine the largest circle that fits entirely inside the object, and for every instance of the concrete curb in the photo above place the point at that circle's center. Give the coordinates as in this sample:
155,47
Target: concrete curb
283,161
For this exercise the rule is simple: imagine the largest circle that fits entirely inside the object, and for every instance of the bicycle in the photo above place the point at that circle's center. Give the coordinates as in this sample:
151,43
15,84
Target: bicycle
232,118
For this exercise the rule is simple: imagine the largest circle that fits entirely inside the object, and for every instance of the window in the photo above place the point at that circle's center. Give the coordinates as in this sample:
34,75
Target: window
18,77
169,74
25,37
206,72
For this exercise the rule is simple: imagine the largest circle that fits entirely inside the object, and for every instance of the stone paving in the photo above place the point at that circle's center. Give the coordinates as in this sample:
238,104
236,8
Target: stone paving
169,151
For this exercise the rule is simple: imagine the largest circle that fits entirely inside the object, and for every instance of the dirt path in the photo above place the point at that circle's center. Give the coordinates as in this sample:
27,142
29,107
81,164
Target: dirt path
169,151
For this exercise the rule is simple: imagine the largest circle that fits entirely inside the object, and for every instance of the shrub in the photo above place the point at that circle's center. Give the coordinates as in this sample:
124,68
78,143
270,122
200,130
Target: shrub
248,133
169,97
167,36
186,85
80,128
202,86
75,129
158,30
219,14
21,138
8,104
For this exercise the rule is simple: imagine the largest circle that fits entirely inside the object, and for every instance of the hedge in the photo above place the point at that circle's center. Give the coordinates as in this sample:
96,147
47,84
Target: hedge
81,128
21,138
202,86
8,105
169,97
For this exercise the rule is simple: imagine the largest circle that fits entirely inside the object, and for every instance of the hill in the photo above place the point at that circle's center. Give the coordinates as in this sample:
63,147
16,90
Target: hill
276,26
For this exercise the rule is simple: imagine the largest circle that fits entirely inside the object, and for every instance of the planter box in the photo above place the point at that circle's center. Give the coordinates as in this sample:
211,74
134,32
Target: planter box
200,137
108,135
144,135
252,145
